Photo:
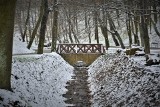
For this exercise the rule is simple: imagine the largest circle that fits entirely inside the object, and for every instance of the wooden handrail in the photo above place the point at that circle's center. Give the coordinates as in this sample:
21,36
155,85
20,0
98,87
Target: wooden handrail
80,48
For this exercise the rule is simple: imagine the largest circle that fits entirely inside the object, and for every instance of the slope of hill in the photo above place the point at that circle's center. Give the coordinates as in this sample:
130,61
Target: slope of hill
120,81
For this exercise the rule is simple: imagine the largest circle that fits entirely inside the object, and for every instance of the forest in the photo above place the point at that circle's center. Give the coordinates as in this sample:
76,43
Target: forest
68,21
131,27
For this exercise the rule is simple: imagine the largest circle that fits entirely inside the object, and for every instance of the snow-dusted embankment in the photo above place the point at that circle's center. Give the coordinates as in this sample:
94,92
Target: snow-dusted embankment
119,81
20,47
40,80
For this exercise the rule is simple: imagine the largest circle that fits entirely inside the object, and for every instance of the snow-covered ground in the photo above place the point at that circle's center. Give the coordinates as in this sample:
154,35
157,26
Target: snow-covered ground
20,47
121,81
36,80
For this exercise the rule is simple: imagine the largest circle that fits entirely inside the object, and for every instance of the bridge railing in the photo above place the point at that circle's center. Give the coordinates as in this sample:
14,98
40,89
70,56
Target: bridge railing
80,48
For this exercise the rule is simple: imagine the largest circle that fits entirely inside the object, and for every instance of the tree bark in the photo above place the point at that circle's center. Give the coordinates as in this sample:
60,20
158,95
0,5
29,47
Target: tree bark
135,33
144,27
141,35
88,27
129,31
55,27
96,21
7,10
43,27
96,26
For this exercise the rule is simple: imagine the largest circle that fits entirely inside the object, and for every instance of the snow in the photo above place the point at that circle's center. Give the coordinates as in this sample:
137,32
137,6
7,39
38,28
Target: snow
36,80
40,80
118,80
20,47
8,98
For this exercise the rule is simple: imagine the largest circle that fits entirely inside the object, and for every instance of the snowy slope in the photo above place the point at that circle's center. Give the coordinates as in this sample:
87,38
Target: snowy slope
119,81
38,80
20,47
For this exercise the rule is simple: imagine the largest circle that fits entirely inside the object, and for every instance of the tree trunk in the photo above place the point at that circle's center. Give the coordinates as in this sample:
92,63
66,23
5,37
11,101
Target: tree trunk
69,27
37,26
88,28
69,32
74,27
26,22
96,26
129,32
141,35
20,22
135,33
115,32
155,10
120,40
113,35
117,13
105,34
103,26
155,28
43,27
146,38
7,10
144,27
74,34
86,20
55,27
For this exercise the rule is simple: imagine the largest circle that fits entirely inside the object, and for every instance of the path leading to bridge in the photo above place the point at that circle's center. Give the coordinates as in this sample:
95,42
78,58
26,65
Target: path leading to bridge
78,94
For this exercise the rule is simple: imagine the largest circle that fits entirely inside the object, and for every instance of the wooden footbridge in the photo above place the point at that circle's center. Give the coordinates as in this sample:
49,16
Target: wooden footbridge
80,52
